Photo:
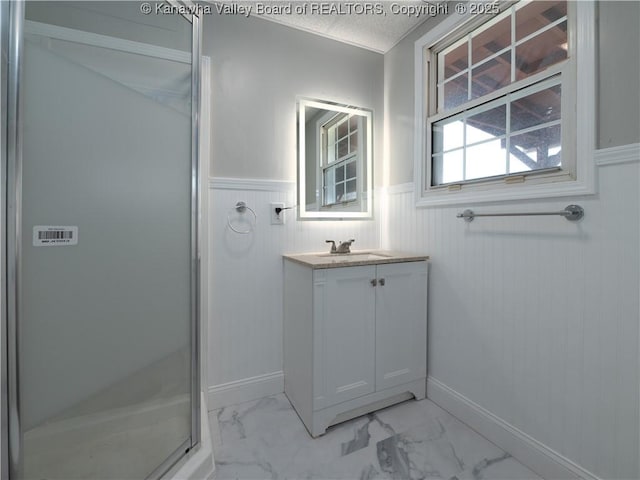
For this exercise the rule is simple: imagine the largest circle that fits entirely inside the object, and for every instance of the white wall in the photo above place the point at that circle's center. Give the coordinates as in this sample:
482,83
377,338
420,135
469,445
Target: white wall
534,321
258,69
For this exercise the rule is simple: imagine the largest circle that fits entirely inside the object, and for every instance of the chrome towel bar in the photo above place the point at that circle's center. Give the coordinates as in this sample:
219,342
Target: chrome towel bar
570,212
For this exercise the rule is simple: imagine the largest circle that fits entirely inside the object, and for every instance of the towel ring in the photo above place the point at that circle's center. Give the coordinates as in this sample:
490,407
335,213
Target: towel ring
241,207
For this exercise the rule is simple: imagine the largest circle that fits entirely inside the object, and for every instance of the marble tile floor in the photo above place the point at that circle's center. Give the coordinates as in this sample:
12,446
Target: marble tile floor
265,439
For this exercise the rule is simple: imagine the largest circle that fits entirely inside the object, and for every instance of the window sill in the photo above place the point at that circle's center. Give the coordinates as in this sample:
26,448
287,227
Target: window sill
507,193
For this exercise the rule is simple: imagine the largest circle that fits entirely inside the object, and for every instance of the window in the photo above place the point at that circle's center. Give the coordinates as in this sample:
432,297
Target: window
340,158
498,104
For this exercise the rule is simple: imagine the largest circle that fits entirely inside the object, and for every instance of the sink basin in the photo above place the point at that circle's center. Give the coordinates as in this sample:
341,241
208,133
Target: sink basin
354,257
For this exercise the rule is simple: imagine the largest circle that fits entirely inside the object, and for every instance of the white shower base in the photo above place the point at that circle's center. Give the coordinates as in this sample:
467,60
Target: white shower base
198,464
93,440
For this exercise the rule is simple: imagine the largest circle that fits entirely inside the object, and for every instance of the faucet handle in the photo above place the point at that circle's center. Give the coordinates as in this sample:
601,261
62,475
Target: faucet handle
333,245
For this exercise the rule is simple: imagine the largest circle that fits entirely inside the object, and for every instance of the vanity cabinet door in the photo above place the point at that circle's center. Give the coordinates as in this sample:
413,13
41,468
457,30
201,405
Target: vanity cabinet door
401,323
344,334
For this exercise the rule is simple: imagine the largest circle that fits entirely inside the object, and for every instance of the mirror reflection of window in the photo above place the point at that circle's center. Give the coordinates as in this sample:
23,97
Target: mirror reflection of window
340,158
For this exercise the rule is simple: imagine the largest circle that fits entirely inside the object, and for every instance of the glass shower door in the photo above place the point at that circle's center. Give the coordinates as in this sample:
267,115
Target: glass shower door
106,284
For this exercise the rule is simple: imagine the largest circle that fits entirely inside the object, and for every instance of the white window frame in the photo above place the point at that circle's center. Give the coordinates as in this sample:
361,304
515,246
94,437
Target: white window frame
578,122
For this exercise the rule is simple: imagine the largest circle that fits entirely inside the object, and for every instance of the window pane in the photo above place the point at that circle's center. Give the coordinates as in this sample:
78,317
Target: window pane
491,75
487,125
343,147
343,129
537,15
353,142
447,135
339,192
541,51
491,40
456,60
448,168
351,186
536,109
486,160
329,186
351,170
340,174
537,149
518,165
353,123
455,91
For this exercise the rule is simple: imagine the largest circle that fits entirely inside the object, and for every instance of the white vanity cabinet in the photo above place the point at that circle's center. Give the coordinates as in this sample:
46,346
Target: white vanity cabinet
354,337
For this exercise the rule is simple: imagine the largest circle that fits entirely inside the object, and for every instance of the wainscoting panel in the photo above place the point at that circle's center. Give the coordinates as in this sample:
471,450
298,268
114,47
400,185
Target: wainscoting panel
535,319
246,282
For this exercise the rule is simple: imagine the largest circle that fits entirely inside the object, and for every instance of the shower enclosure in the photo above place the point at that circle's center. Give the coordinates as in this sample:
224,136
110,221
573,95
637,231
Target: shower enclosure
100,196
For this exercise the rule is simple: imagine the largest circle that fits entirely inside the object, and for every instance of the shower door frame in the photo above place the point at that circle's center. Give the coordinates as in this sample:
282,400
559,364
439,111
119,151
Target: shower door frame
12,31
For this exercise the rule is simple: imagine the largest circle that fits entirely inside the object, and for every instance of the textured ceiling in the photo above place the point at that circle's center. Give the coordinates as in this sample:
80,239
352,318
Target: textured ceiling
346,21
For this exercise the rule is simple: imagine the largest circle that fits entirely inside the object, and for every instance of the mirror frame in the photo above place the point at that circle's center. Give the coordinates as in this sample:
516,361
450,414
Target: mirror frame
303,213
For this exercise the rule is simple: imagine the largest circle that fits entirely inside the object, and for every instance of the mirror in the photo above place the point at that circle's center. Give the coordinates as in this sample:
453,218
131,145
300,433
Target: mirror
335,152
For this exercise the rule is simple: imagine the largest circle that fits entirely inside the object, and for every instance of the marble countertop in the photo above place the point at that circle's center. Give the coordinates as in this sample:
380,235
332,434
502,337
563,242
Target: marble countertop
354,259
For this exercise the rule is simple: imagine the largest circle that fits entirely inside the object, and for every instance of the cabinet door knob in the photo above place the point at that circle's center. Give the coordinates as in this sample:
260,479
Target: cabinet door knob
374,282
381,281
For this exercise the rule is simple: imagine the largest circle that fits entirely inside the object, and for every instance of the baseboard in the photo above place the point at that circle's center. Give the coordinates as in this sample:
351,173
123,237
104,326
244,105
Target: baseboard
246,389
538,457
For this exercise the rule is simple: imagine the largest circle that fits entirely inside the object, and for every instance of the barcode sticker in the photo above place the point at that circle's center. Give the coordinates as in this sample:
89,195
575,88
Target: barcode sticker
49,236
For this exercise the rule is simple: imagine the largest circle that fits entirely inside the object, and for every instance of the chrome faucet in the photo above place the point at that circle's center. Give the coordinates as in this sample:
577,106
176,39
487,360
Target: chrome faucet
344,247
